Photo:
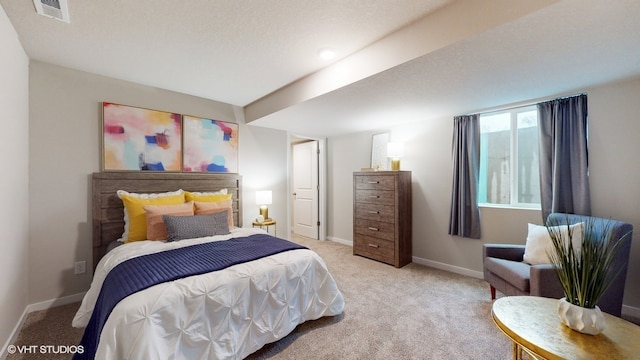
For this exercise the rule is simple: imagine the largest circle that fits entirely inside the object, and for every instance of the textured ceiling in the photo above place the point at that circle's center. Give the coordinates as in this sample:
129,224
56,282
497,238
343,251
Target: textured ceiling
227,50
241,51
560,50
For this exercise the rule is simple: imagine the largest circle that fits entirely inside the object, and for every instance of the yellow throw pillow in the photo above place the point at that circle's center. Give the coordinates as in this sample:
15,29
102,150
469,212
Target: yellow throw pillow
206,208
206,197
156,229
135,217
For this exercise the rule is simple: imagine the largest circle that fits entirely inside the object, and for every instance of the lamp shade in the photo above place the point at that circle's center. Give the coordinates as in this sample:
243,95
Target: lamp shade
395,150
263,197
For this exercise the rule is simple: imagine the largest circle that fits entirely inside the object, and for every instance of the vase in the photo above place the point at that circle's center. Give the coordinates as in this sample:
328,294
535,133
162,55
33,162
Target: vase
578,318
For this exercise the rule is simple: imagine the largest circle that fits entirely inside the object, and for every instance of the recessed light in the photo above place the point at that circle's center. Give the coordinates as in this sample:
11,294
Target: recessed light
327,54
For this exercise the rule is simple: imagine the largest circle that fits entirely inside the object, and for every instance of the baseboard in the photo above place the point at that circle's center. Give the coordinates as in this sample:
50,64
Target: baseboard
55,302
447,267
425,262
340,241
627,311
37,307
631,312
14,335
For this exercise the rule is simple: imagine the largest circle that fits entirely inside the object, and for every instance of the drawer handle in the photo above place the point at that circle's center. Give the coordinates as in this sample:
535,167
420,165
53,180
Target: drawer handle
374,246
373,228
373,182
375,196
374,212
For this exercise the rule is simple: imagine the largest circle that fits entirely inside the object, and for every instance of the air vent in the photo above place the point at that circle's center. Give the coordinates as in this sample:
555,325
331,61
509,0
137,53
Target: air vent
57,9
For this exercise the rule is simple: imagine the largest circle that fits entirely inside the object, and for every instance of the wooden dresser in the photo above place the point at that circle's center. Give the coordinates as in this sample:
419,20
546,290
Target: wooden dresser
382,216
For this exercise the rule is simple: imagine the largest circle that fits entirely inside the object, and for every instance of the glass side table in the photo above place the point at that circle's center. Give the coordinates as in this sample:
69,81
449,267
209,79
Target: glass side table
266,224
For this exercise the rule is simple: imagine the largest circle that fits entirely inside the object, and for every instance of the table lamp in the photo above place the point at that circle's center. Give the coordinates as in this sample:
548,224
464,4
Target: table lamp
395,151
263,198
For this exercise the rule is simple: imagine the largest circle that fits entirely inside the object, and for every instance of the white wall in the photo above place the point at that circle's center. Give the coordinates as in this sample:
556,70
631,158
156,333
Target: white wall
614,145
263,160
345,154
14,157
64,146
615,174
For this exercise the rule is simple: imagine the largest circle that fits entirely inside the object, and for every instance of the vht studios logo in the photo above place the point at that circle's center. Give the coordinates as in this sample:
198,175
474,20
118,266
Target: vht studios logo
45,349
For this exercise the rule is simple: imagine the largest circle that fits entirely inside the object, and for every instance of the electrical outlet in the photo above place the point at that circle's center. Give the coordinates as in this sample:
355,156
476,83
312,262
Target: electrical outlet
80,267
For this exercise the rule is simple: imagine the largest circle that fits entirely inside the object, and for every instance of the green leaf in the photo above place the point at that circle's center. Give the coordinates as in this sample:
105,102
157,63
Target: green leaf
585,274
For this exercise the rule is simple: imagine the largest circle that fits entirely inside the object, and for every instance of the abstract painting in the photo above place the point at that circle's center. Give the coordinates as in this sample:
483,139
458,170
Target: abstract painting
210,145
140,139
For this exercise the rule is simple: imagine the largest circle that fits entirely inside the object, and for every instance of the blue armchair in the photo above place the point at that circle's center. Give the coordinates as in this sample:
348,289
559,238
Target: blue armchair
504,269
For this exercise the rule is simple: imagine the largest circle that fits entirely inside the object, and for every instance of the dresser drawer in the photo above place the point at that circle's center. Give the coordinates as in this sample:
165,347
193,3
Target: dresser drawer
374,248
375,182
376,197
378,229
382,216
384,213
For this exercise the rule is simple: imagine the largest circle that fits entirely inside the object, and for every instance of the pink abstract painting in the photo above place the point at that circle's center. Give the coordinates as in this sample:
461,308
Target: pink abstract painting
210,145
140,139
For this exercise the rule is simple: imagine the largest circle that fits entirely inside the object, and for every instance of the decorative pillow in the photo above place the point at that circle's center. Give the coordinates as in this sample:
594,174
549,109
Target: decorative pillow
205,208
197,226
135,219
156,229
208,196
539,242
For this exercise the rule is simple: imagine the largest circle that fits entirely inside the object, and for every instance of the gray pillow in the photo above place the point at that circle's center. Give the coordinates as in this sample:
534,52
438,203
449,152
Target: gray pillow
189,227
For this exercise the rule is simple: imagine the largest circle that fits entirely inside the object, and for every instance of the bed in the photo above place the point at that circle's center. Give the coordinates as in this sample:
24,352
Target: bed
227,313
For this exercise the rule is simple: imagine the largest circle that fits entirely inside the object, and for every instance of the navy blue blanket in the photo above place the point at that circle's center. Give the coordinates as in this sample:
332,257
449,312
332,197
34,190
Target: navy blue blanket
145,271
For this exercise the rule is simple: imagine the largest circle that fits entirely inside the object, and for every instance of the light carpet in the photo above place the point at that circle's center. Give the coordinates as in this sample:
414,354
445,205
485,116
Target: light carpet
415,312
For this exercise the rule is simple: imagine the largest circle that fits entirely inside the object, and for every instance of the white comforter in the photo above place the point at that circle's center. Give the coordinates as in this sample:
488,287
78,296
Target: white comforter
226,314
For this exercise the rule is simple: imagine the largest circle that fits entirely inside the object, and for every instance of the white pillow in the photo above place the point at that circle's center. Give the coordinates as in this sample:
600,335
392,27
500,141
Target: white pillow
219,192
539,242
120,193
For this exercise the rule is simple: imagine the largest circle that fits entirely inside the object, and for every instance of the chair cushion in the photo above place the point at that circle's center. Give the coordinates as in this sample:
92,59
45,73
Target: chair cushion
539,242
515,273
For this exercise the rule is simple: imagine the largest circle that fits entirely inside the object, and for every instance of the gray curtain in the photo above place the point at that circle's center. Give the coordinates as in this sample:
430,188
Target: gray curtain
464,219
564,165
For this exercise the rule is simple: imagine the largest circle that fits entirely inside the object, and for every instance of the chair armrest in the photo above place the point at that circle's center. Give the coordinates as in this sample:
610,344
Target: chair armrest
503,251
544,282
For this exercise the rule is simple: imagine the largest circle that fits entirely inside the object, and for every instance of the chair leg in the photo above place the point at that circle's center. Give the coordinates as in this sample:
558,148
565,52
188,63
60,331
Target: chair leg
493,292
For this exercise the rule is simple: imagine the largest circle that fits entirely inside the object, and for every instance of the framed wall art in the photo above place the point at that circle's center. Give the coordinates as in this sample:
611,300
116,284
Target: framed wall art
209,145
379,158
140,139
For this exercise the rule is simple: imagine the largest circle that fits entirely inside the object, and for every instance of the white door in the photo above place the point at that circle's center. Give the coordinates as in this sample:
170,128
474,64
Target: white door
305,189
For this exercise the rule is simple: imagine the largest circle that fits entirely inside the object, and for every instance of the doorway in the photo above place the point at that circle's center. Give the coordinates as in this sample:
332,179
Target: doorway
307,185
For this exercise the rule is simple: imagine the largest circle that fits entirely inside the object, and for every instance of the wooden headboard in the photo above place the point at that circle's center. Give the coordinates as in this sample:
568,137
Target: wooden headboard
108,211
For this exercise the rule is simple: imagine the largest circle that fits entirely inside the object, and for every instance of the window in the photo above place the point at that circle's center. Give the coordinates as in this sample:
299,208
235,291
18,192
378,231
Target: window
509,140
